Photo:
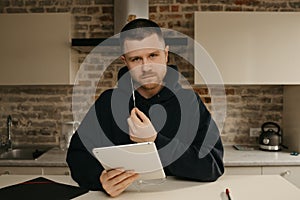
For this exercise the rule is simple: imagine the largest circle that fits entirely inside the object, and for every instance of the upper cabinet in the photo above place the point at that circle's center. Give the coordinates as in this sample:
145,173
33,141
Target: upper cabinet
35,49
251,47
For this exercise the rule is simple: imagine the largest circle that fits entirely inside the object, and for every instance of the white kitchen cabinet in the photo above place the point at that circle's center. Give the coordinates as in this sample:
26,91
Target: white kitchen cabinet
35,170
249,47
56,171
243,170
21,170
35,49
290,173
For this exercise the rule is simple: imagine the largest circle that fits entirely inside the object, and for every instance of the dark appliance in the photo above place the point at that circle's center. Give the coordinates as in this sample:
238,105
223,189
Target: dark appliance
270,138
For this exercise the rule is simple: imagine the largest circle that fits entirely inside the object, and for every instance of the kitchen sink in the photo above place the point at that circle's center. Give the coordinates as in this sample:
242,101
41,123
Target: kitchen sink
23,154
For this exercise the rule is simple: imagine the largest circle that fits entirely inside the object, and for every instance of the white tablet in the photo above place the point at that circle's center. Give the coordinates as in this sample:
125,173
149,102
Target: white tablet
143,158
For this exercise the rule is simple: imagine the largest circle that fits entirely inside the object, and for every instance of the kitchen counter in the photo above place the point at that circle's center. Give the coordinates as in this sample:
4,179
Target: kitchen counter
55,157
256,157
232,157
241,187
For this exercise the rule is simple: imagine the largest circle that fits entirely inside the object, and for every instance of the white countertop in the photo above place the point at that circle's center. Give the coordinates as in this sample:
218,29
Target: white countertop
55,157
233,157
268,187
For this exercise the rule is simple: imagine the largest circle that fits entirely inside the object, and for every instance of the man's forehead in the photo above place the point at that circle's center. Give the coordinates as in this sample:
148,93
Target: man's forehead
150,42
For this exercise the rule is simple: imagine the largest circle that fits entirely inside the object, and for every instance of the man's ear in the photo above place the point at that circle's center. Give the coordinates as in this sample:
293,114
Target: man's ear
167,52
123,59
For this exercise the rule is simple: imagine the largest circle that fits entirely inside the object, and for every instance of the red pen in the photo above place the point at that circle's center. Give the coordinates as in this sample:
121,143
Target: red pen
227,193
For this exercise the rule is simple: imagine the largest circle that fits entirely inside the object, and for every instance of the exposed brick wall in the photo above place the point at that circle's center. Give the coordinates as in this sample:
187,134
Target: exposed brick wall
248,106
38,111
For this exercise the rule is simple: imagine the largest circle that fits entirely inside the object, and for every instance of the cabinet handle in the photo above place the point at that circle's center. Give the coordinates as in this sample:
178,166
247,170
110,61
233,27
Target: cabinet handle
285,173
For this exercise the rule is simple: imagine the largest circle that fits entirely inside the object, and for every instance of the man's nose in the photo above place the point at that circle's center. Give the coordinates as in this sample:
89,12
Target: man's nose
146,66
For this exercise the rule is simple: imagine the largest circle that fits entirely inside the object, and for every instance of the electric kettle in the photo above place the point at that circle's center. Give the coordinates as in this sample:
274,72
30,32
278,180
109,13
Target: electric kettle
270,138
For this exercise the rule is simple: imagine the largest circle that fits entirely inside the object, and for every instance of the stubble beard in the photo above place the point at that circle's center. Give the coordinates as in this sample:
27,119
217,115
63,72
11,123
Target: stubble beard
150,86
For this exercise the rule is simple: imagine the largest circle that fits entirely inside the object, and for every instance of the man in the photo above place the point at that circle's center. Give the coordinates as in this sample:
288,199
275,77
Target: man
158,110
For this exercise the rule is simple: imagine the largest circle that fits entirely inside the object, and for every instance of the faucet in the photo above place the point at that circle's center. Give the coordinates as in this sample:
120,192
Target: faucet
8,132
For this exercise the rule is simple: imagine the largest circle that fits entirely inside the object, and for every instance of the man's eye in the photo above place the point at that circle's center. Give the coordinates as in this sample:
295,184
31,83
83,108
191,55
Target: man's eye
153,55
136,59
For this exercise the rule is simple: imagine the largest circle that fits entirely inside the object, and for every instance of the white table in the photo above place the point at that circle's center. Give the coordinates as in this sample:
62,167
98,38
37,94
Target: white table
252,187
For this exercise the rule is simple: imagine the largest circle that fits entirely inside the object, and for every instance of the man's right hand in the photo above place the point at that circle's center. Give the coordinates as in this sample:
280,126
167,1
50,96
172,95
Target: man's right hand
140,127
115,181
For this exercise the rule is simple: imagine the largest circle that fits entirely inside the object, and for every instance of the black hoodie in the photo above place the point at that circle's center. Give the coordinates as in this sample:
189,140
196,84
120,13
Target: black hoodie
188,139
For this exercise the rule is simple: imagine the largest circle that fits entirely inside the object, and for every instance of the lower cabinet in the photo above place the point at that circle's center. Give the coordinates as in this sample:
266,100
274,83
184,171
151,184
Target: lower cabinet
35,170
56,171
21,170
243,170
290,173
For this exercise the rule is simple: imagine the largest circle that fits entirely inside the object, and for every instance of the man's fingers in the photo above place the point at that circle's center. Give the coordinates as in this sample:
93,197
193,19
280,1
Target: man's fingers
131,125
118,182
123,180
141,115
135,119
123,185
138,117
107,175
110,174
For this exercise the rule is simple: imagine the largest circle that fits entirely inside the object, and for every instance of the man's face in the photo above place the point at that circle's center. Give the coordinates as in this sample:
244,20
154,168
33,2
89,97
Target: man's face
146,59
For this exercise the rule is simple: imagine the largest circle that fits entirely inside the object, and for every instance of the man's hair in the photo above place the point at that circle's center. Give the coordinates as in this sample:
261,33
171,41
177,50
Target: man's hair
139,29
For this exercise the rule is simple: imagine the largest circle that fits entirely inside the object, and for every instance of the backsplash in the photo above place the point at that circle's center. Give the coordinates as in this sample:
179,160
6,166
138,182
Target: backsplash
39,111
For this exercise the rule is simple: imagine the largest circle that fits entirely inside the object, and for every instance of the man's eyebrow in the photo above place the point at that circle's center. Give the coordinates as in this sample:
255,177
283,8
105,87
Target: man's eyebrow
158,51
133,57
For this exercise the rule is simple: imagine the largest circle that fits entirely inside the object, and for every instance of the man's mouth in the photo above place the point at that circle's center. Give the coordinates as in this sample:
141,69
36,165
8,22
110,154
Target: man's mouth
147,76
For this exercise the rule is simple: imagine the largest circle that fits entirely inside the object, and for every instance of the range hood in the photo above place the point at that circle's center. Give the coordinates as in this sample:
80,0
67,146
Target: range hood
124,11
127,10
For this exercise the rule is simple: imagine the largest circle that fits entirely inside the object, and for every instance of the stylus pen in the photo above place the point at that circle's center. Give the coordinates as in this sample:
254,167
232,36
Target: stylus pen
133,95
227,193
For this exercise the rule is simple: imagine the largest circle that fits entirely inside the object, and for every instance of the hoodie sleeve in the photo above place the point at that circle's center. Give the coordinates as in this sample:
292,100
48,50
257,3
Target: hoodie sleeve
85,169
203,159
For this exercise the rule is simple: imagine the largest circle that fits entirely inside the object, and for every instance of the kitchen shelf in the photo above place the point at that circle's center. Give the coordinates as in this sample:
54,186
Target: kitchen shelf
88,44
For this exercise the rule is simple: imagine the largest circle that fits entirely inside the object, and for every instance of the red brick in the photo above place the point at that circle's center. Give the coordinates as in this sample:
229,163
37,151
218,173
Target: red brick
152,9
201,91
162,24
175,16
192,1
189,16
152,17
93,10
106,9
106,18
108,75
164,8
229,91
175,8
